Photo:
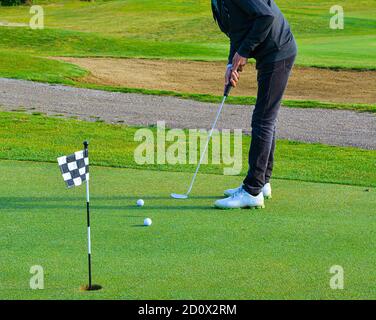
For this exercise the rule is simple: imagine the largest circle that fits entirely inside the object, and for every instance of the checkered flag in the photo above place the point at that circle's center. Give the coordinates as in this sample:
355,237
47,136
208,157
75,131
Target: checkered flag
75,168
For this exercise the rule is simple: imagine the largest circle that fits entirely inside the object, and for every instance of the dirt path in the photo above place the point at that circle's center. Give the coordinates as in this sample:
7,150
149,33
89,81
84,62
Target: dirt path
206,77
334,127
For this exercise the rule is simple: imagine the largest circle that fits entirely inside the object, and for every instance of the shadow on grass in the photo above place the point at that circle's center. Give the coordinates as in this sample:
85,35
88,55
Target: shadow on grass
94,197
43,203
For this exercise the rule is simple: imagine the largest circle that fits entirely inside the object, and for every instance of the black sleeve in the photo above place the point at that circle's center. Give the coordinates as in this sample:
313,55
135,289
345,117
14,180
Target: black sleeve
263,15
231,53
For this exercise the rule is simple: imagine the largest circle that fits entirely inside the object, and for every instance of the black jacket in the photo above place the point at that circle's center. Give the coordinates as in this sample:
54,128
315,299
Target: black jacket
258,29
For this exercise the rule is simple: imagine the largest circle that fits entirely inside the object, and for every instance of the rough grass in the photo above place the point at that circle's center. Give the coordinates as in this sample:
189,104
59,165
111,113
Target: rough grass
40,138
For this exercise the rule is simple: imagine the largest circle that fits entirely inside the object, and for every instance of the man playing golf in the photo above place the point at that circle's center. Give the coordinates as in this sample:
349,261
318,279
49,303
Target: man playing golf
257,29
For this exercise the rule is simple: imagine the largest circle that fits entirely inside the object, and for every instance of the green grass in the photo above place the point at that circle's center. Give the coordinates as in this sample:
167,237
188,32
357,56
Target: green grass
174,30
20,66
40,138
182,29
191,251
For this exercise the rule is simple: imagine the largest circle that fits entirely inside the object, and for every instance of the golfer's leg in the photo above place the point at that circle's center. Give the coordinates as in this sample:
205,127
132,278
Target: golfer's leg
272,82
262,134
269,167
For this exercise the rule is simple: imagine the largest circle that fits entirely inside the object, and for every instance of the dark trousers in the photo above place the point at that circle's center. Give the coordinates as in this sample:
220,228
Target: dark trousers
272,80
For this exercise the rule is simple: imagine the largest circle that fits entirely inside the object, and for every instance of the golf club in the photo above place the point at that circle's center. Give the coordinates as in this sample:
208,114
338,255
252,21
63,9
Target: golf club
185,195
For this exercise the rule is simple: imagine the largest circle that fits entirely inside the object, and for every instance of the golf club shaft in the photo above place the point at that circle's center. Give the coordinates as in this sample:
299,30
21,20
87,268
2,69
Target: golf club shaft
207,142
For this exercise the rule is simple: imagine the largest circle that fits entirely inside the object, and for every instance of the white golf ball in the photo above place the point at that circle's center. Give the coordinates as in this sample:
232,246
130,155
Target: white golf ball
147,222
140,203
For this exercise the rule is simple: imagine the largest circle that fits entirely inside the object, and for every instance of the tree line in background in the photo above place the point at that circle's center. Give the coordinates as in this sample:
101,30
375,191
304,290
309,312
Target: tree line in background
15,2
19,2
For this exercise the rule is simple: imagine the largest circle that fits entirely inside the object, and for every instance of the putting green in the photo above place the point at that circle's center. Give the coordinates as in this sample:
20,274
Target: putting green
192,250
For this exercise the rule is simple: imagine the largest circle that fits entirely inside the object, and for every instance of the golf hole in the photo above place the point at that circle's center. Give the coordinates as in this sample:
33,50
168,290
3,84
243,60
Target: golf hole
94,287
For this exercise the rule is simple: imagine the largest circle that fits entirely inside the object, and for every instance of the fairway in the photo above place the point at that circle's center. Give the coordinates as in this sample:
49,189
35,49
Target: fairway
192,251
180,30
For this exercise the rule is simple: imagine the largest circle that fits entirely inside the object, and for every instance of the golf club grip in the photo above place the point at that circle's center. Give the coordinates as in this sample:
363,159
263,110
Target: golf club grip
227,90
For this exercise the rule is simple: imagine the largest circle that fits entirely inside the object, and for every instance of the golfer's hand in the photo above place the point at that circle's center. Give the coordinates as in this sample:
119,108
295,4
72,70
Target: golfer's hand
238,63
228,74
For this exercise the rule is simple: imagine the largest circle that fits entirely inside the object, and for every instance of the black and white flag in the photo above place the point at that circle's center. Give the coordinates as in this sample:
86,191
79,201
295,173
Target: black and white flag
75,168
75,171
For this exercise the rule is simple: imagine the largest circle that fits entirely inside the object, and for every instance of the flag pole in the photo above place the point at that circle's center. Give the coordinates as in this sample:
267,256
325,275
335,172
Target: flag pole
86,145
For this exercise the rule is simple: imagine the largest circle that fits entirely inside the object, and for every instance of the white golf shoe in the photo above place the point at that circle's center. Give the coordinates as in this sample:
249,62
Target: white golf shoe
241,199
266,191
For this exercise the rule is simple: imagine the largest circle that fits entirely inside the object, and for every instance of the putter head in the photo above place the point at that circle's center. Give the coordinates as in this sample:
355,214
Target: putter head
179,196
